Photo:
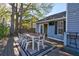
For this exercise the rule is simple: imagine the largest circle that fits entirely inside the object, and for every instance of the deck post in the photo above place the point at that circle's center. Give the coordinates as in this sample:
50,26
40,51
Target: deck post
65,39
43,28
39,28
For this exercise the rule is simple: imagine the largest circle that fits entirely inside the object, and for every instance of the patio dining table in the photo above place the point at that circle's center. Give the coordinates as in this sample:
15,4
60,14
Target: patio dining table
33,36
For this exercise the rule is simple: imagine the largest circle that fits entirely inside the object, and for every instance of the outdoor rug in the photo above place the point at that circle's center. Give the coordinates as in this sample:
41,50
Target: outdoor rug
30,52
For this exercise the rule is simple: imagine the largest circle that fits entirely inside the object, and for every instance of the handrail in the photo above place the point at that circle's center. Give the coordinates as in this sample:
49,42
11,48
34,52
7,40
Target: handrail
72,35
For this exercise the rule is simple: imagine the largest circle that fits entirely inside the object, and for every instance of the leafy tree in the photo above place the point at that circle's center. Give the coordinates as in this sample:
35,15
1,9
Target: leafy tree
4,12
36,10
27,11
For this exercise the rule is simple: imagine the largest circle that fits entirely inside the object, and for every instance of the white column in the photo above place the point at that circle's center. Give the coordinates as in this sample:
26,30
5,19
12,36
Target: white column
65,39
33,42
39,28
43,28
47,28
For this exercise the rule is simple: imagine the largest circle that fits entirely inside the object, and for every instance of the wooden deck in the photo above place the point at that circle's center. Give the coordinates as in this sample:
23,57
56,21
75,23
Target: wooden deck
8,50
55,43
58,45
3,43
11,50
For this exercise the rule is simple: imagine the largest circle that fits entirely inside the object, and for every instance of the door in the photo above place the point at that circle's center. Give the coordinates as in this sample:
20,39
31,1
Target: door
45,29
41,29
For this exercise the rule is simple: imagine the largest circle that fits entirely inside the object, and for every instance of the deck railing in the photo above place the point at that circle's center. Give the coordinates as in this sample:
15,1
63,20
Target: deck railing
71,38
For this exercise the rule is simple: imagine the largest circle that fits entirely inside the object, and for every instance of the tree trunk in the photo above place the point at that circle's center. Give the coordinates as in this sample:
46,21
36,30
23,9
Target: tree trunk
17,15
12,19
21,14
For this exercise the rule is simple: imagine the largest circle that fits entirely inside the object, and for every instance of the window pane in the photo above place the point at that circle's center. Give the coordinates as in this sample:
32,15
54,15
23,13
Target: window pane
60,27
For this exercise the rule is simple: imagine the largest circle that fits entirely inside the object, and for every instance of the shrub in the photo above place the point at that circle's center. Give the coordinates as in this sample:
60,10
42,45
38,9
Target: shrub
4,30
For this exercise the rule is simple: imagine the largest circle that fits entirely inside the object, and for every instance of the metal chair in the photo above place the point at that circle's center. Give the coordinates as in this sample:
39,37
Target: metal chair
24,41
27,42
40,41
21,39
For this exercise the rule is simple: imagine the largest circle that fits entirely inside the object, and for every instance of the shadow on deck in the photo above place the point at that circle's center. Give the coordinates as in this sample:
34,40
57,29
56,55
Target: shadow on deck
8,50
55,43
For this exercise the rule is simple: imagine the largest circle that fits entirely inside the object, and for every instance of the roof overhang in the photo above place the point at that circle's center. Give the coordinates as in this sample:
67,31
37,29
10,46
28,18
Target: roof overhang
46,21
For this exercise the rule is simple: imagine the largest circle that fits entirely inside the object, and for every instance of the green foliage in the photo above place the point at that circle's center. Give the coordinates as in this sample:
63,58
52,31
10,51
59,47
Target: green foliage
34,12
28,11
4,12
4,30
38,10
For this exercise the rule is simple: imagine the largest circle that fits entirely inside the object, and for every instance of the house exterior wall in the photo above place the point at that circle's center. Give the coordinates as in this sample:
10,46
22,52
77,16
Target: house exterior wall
72,22
73,17
54,28
51,33
51,30
39,28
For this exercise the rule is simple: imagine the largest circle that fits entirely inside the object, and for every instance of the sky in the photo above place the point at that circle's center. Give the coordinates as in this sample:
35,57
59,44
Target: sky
58,7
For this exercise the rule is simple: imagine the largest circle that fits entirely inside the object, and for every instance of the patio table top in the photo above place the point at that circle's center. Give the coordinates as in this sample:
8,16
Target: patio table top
33,34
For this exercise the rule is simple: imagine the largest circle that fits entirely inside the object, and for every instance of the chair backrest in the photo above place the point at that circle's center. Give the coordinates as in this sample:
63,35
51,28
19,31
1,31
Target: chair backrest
26,36
20,36
42,36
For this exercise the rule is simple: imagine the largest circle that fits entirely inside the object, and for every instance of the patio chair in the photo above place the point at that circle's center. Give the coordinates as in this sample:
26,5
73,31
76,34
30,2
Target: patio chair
40,41
21,39
24,41
27,42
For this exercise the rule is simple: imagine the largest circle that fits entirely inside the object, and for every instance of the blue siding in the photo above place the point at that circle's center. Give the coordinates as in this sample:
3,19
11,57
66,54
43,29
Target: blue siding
73,19
51,30
51,33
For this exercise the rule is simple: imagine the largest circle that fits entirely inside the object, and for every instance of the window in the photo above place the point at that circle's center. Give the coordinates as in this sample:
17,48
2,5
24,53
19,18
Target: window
51,23
55,27
60,27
